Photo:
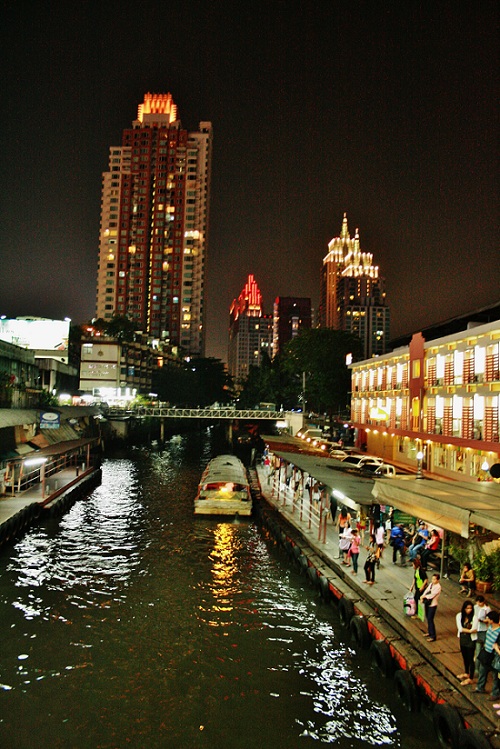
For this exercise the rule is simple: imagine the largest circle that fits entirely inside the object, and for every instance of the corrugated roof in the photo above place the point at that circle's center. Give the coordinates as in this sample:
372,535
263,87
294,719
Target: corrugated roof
13,417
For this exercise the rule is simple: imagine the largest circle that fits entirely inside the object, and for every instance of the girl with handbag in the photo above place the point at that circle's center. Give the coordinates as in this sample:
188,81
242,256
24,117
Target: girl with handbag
467,634
371,560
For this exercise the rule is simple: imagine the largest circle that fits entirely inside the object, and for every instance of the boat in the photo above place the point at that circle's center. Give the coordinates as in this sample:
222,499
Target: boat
224,488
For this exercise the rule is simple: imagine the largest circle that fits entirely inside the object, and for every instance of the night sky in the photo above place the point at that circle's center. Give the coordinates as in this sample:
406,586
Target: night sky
385,110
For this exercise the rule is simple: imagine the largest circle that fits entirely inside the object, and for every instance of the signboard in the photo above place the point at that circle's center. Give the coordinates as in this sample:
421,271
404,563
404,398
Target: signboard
49,335
50,420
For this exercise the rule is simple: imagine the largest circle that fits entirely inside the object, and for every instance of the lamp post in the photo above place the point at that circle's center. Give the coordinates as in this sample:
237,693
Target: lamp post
420,457
485,467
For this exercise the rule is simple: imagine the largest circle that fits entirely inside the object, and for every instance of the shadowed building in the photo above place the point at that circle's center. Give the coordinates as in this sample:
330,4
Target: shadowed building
290,315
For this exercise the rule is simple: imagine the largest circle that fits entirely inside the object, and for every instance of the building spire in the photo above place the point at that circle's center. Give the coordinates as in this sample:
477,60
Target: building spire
344,234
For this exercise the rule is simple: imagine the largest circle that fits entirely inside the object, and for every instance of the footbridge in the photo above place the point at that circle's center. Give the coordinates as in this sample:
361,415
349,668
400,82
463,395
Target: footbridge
292,420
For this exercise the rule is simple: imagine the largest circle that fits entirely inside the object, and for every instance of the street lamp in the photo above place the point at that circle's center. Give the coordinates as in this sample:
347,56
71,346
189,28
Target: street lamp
485,467
420,457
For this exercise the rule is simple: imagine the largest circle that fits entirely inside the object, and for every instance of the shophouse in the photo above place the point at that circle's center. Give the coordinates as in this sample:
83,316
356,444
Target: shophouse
434,404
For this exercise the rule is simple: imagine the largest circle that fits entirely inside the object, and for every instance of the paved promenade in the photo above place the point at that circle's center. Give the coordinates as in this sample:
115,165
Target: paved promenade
386,596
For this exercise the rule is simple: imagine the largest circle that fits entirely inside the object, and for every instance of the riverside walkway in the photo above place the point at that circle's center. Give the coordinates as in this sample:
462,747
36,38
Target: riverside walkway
385,598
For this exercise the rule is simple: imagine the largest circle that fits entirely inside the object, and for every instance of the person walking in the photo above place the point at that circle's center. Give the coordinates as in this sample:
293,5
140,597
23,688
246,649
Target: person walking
345,539
354,551
398,543
467,634
371,561
485,657
380,538
430,597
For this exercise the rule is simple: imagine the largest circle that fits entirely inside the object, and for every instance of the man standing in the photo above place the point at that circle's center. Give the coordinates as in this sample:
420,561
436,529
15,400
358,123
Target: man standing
485,657
398,543
481,611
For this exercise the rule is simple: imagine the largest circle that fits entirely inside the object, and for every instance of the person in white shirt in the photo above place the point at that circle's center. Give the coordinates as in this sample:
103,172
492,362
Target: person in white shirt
467,633
481,611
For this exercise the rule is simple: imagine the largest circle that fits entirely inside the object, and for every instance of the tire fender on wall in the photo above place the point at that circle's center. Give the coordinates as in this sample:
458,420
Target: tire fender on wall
346,610
382,658
448,725
473,739
359,630
406,689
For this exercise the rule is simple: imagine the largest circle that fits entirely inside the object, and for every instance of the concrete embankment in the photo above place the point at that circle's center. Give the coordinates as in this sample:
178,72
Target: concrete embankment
461,718
21,512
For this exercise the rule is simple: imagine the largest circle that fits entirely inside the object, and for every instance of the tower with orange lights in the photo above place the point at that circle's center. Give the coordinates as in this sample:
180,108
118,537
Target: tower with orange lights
154,227
352,295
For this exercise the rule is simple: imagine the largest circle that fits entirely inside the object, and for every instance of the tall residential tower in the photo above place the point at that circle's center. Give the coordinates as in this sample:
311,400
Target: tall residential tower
250,332
154,227
352,296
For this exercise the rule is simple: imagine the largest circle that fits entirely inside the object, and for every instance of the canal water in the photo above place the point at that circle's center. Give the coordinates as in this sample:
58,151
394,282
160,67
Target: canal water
130,623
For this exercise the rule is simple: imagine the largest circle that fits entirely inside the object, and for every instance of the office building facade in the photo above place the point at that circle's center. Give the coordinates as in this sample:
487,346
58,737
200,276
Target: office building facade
154,227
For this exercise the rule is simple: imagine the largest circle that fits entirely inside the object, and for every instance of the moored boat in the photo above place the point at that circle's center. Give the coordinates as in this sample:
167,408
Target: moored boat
224,488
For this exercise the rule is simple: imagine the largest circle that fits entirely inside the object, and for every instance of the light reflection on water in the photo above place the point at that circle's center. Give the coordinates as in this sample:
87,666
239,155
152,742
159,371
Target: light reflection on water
131,623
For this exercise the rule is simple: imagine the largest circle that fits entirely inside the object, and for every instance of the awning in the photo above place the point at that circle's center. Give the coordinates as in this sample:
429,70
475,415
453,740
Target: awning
412,496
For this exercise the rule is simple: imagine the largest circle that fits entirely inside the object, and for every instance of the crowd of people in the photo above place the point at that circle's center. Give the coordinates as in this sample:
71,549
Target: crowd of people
478,627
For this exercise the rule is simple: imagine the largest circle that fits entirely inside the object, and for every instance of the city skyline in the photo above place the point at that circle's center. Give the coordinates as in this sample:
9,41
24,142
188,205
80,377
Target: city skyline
388,113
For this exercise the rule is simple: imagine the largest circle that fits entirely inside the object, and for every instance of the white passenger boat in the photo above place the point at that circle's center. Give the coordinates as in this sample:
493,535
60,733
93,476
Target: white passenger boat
224,488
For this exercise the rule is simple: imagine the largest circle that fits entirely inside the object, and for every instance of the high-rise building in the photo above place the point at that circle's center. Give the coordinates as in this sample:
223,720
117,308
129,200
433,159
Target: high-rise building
290,315
250,332
154,227
352,296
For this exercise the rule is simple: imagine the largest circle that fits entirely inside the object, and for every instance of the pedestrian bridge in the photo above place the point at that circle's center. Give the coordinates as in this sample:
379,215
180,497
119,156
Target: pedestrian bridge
291,419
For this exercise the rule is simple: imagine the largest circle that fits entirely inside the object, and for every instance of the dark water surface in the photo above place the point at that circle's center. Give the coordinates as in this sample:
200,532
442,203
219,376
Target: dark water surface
129,623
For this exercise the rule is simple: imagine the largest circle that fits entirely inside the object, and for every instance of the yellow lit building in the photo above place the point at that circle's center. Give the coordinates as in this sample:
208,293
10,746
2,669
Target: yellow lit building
433,404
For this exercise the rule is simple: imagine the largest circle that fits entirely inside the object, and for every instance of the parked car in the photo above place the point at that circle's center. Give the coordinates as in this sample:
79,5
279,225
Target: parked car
359,461
337,453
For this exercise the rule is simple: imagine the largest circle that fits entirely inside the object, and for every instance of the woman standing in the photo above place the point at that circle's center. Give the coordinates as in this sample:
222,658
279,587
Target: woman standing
354,551
467,634
430,597
371,560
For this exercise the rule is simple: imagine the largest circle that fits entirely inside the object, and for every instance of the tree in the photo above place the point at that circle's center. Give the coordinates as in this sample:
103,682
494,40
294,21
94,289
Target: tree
319,356
199,382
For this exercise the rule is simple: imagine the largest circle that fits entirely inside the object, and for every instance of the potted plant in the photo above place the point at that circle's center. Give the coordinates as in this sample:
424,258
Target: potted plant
483,567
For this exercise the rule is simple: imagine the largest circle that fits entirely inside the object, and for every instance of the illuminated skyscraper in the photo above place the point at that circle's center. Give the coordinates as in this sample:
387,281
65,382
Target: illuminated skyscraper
250,332
352,296
154,227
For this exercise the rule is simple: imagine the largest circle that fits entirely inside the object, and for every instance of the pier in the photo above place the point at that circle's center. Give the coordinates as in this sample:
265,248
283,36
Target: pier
427,670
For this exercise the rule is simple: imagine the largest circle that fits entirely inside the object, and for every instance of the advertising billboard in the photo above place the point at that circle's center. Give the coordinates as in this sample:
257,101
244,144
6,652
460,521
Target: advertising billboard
49,335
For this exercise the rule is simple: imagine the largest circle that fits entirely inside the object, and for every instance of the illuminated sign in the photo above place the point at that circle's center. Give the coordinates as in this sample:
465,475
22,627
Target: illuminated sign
47,335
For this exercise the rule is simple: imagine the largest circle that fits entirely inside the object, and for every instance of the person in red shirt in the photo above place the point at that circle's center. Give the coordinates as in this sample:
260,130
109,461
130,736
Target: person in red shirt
431,546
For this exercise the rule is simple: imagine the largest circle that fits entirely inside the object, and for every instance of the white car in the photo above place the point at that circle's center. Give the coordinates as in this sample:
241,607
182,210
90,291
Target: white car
338,453
359,461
